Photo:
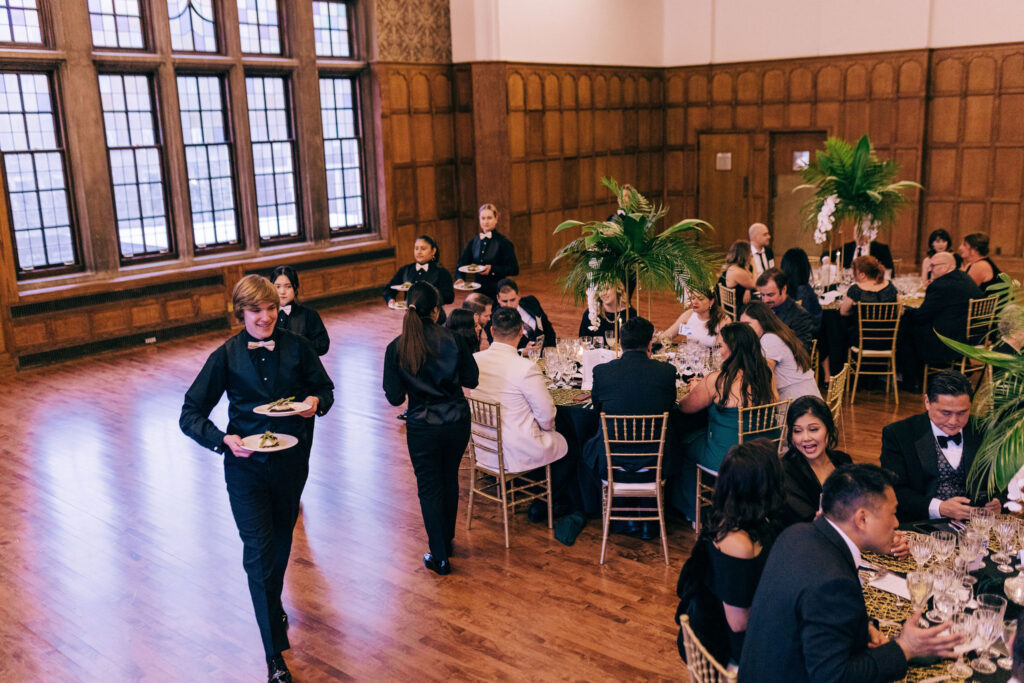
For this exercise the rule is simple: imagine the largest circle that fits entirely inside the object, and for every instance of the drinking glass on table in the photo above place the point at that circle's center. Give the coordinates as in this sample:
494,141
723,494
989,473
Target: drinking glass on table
983,519
1009,635
942,581
988,626
993,602
1006,532
943,544
961,624
919,585
610,338
920,548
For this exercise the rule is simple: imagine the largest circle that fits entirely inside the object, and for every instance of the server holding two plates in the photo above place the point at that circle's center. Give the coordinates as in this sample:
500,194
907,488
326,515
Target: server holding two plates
489,257
266,446
425,267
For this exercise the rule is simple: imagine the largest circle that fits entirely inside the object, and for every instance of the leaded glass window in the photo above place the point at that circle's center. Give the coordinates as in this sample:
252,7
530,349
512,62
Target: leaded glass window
273,153
193,27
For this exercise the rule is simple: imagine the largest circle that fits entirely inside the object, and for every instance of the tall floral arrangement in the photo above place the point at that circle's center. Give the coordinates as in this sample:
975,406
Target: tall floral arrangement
629,248
852,186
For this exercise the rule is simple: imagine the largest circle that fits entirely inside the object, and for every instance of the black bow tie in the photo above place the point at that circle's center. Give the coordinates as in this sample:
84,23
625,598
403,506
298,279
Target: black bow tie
944,440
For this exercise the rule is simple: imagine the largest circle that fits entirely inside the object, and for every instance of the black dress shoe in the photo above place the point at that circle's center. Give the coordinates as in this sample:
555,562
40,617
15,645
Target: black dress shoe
624,527
277,670
442,567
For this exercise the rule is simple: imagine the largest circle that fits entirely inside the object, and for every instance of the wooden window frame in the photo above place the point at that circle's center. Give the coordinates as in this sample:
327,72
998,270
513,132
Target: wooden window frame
354,78
218,32
144,28
282,34
45,34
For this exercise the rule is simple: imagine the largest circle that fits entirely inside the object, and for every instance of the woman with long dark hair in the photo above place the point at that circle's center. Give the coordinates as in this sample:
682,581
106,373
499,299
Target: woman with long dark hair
431,366
745,380
716,585
462,323
738,272
700,322
783,351
426,267
295,317
938,241
812,456
797,268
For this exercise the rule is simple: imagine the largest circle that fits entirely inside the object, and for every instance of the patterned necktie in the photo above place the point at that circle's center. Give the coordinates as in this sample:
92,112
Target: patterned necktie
268,345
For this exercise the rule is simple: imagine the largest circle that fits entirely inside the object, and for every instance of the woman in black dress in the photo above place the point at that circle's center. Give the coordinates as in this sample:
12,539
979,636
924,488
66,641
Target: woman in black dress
295,317
431,366
717,583
612,304
812,456
738,272
425,267
797,268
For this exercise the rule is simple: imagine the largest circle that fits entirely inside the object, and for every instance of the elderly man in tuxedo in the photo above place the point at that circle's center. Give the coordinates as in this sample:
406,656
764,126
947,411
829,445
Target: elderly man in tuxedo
931,453
808,621
529,439
762,256
537,329
943,311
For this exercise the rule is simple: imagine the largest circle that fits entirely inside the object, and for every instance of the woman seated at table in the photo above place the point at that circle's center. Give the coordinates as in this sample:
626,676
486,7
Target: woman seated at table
938,241
812,456
699,323
783,351
977,264
745,380
797,268
738,273
463,323
425,267
869,286
295,317
611,304
716,585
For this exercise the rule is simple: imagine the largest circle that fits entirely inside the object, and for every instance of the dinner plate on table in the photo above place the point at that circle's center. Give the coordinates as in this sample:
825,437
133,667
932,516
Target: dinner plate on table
467,286
284,442
397,305
295,407
471,268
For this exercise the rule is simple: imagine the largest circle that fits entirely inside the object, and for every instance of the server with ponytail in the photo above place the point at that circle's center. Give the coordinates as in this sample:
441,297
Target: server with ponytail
431,366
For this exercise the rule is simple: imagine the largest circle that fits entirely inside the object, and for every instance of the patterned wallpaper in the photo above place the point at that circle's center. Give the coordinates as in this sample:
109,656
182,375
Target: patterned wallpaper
414,31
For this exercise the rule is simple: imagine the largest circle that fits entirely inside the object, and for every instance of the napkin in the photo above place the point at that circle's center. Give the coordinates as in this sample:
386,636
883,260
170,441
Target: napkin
591,359
829,297
892,583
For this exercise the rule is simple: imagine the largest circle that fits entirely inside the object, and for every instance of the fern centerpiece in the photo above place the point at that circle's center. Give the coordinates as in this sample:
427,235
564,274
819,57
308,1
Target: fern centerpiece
629,248
852,186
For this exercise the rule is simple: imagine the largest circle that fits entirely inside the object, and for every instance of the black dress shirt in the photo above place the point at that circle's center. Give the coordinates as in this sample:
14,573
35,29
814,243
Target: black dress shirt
306,323
433,273
498,252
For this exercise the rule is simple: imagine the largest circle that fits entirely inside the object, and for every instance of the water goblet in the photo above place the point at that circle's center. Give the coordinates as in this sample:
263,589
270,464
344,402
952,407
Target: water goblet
943,544
920,548
1009,634
983,519
986,631
1006,531
962,625
942,580
919,585
996,603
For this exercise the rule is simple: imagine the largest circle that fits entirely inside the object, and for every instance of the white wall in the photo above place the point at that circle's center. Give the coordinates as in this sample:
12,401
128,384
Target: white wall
684,32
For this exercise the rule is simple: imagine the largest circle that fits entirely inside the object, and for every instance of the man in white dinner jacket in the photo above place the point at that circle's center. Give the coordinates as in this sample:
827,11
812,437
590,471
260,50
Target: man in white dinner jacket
528,435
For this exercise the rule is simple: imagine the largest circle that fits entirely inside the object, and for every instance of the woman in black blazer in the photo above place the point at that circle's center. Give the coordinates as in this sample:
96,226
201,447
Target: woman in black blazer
811,457
431,366
295,317
425,268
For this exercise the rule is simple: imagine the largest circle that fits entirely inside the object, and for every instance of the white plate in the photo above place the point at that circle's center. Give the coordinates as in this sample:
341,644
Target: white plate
296,408
401,288
471,268
467,286
285,441
397,305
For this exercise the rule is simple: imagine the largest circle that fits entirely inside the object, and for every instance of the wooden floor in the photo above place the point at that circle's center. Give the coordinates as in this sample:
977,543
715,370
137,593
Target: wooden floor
119,559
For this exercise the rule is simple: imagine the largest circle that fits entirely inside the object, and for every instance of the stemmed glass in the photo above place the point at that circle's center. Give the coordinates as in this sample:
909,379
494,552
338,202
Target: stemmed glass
942,581
997,603
1009,635
1006,531
982,519
943,544
989,625
920,548
961,624
919,585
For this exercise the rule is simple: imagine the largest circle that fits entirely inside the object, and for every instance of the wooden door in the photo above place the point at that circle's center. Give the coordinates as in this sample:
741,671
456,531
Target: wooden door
790,153
725,185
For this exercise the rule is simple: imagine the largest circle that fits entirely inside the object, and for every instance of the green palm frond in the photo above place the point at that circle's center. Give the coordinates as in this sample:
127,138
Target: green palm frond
630,245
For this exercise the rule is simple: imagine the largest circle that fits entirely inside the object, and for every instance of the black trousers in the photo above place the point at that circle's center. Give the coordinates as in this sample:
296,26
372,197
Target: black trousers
264,497
435,452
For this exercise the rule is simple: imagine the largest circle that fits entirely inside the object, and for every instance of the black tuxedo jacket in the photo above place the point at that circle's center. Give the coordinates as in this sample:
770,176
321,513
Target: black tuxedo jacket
434,274
910,452
943,310
879,250
500,256
808,621
631,385
306,323
294,370
544,330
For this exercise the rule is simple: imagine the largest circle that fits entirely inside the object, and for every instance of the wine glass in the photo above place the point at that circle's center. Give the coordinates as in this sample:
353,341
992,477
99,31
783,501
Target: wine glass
920,548
997,603
610,339
983,519
1009,634
942,580
919,585
988,626
943,544
961,624
1005,530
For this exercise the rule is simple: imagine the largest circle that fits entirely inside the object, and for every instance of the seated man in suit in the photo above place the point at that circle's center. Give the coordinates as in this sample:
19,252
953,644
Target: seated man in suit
537,329
773,286
528,435
930,454
634,384
944,310
808,621
865,246
762,257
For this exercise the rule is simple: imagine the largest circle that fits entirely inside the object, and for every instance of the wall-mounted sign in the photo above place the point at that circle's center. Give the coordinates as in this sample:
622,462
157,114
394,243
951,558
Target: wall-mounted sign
801,160
723,161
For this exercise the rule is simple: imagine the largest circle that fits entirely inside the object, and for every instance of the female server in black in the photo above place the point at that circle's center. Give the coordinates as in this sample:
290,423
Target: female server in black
259,365
424,268
491,250
430,365
295,317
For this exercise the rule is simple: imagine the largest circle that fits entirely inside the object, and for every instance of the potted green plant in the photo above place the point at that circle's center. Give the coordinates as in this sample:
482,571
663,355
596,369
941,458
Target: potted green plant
629,248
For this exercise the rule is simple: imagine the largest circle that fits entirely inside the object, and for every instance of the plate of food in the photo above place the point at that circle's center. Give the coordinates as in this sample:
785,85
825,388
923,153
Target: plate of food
471,268
404,287
282,407
398,305
467,286
268,442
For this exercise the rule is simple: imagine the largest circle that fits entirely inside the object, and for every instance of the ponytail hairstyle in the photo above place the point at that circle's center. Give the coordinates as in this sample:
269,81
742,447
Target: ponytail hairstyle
413,348
430,240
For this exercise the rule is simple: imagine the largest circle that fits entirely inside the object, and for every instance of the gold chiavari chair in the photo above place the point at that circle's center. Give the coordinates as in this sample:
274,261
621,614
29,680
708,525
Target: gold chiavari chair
875,351
727,296
836,392
496,483
702,667
633,437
